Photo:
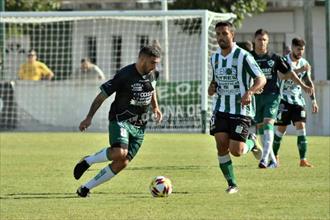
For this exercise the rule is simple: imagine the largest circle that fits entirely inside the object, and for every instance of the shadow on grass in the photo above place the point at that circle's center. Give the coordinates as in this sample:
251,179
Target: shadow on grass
42,195
74,195
186,167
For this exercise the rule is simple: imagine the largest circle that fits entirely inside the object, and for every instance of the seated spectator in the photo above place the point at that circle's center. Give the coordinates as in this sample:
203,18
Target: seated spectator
88,71
33,69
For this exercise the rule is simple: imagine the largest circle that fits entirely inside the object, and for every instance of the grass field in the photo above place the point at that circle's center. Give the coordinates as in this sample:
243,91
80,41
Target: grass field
37,182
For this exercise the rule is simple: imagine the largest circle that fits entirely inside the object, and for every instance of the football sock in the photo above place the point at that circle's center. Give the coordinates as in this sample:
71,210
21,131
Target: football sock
267,143
104,175
226,167
302,143
277,141
249,144
101,156
261,132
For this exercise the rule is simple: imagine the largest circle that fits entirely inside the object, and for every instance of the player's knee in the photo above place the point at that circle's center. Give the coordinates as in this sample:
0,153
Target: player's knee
236,152
119,154
123,163
236,148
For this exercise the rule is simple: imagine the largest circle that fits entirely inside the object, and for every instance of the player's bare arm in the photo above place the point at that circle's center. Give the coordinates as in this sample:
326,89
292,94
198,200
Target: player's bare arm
258,84
155,108
99,99
212,88
304,68
50,76
294,77
308,81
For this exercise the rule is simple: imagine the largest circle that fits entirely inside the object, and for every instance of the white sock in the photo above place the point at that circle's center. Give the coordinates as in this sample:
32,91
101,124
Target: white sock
98,157
224,159
279,134
261,139
104,175
301,132
268,139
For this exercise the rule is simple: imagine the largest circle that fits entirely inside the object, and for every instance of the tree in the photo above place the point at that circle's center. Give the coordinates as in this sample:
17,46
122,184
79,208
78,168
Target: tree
241,8
32,5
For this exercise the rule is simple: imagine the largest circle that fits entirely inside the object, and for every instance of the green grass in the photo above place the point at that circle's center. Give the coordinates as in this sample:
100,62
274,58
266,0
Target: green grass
37,182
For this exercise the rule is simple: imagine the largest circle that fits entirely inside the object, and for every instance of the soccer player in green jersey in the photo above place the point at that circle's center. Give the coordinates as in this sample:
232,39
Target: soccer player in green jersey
135,91
292,107
268,101
236,78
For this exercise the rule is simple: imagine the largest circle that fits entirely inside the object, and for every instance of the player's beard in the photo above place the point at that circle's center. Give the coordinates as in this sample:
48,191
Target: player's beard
145,70
295,56
224,45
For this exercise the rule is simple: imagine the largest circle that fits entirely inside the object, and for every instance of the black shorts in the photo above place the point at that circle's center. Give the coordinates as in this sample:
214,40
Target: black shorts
288,113
237,126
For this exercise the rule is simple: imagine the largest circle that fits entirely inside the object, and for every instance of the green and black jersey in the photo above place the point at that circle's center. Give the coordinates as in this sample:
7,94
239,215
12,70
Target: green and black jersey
234,75
133,94
268,64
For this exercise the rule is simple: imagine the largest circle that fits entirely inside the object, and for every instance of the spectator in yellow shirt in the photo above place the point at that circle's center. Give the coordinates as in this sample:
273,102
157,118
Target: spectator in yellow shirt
33,69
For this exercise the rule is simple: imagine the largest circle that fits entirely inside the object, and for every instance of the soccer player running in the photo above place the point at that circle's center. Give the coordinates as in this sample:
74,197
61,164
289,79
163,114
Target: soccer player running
135,91
236,78
292,106
267,103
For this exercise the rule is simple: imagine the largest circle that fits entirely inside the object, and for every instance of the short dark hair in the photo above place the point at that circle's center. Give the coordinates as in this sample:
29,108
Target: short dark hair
298,42
260,32
247,45
86,59
150,51
32,52
225,24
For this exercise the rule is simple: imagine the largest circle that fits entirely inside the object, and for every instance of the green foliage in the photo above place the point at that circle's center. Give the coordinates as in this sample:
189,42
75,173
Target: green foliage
37,182
241,8
32,5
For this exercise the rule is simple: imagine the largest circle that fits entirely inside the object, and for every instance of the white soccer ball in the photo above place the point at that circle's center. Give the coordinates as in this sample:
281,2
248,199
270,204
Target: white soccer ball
161,186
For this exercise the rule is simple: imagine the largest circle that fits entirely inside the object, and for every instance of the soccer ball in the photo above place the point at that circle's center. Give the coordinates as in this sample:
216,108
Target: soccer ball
160,186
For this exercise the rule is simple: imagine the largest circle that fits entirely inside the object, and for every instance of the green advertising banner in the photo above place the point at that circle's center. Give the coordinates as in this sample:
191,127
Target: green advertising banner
180,103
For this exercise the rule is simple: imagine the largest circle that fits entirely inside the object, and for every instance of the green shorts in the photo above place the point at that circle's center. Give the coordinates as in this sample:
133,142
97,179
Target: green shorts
266,106
124,134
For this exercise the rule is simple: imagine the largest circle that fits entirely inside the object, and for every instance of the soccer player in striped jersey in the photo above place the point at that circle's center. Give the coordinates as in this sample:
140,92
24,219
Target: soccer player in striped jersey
267,103
292,106
236,78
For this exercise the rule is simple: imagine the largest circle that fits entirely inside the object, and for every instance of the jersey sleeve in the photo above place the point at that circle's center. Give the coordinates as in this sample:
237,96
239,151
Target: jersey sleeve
45,70
307,73
112,85
251,66
282,65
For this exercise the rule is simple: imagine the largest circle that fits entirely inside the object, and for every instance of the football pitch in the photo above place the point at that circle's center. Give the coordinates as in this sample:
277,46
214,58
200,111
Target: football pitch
37,182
